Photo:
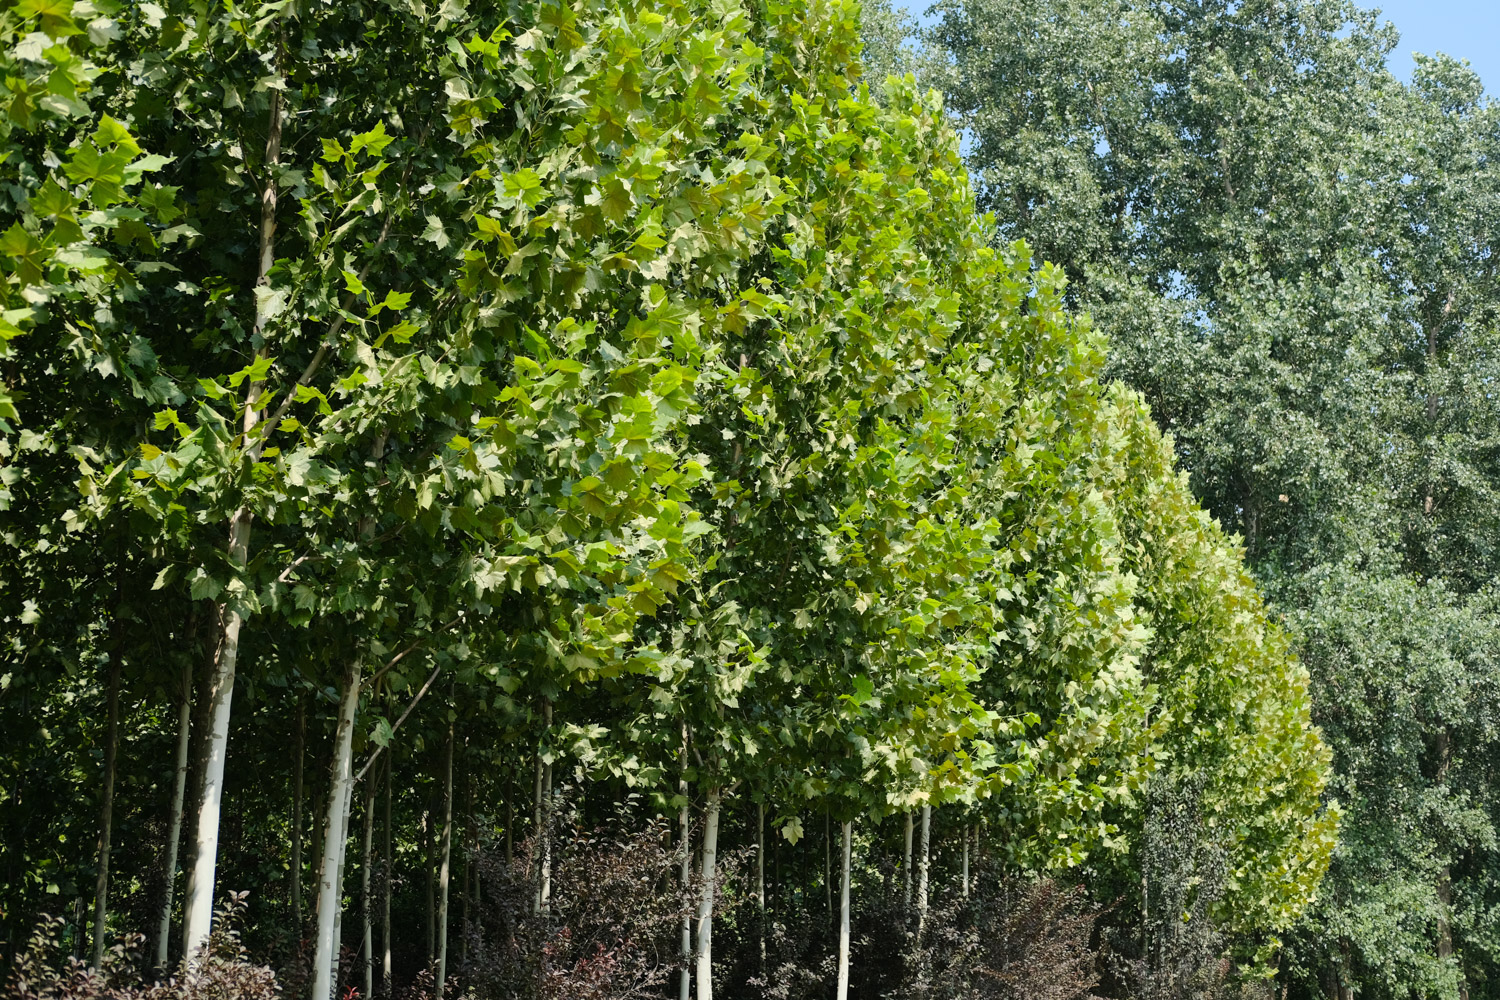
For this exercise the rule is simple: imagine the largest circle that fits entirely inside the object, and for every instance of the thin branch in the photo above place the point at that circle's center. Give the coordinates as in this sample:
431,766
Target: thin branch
425,687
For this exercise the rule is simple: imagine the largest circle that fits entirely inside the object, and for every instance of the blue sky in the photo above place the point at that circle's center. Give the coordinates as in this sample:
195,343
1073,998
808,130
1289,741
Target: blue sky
1466,29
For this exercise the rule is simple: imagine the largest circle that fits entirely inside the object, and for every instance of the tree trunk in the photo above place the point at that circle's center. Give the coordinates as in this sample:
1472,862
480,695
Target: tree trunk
107,810
174,818
544,890
443,871
366,905
923,867
843,985
685,984
828,864
385,888
966,862
431,897
906,867
704,958
198,911
336,831
299,752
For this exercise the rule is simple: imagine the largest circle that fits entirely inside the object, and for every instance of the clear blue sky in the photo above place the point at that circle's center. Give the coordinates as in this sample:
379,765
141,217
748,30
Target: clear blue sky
1465,29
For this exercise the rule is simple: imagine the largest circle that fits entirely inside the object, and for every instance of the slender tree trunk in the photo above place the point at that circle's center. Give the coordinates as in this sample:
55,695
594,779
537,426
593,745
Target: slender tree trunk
966,862
299,753
544,897
367,907
685,984
427,850
760,880
444,870
107,809
385,888
199,903
705,953
906,867
174,819
843,985
828,864
923,867
336,827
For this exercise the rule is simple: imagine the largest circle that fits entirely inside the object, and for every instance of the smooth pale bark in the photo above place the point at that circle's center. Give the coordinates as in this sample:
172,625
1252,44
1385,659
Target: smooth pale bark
685,985
367,908
443,871
843,984
174,819
828,863
336,832
385,888
107,811
906,868
966,862
545,891
299,752
198,911
704,958
923,866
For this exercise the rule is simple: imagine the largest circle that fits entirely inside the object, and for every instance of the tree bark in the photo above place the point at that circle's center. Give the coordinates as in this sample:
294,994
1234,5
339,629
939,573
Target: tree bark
828,864
367,908
385,888
443,871
107,810
966,862
923,867
174,819
544,891
336,832
199,904
704,959
906,868
843,984
685,984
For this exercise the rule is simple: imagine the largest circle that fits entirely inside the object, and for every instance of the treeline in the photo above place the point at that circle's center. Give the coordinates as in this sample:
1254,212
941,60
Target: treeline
1294,254
433,433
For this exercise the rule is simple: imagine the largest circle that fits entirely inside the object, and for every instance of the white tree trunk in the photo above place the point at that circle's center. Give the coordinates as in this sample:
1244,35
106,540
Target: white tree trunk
685,985
704,959
366,905
385,888
966,862
545,892
198,904
923,867
336,827
906,870
174,821
843,986
198,910
107,811
444,869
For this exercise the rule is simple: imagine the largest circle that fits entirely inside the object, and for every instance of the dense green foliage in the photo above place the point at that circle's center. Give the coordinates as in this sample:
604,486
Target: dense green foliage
454,415
1294,255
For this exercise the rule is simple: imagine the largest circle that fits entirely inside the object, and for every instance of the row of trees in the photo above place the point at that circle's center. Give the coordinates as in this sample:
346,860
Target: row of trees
1294,254
411,411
